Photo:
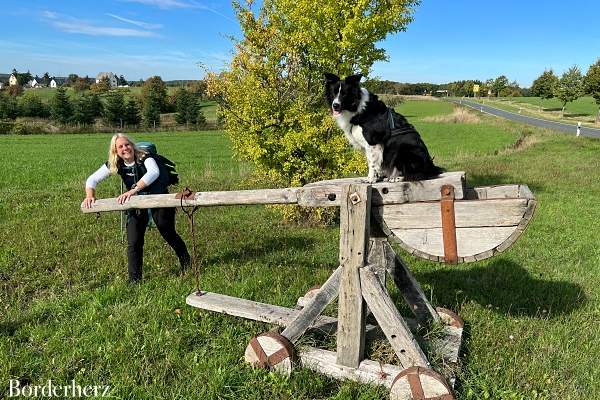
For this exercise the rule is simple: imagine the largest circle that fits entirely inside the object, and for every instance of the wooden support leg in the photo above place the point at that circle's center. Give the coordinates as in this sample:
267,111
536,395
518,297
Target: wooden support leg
314,308
391,322
410,288
377,257
355,210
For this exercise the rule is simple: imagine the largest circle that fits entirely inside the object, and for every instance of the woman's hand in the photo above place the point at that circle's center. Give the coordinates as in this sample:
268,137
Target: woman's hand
125,196
88,201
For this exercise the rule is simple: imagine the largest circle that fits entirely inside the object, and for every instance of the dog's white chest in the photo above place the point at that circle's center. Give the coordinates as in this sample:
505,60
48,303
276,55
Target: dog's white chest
353,133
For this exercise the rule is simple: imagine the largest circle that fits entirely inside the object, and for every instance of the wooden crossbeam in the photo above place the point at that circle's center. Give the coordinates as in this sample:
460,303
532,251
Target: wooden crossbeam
318,194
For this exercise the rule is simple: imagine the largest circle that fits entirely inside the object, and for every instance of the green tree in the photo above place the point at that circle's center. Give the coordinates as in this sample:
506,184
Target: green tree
271,99
31,105
103,86
86,108
544,85
569,87
72,79
46,79
61,109
186,107
592,84
155,91
114,108
9,107
151,113
132,112
23,78
500,83
80,84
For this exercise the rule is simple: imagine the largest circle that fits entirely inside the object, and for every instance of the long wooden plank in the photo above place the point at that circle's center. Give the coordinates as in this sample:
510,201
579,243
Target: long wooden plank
355,211
201,199
262,312
319,194
368,371
468,214
391,322
314,308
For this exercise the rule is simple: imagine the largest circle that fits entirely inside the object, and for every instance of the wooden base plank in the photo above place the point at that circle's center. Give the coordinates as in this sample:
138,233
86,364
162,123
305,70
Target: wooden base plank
368,371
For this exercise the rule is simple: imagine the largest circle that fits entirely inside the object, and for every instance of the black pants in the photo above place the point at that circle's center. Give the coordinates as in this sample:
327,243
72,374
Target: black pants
137,220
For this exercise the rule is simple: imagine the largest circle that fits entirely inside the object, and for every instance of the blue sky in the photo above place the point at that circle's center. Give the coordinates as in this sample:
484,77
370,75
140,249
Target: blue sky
449,39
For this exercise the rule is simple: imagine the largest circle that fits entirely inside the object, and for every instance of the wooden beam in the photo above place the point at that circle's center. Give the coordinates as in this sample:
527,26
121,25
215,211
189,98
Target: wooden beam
368,371
409,288
262,312
354,234
314,308
318,194
391,322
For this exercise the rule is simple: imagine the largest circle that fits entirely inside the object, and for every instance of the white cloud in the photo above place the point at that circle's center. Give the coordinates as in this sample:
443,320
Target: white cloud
141,24
165,3
75,25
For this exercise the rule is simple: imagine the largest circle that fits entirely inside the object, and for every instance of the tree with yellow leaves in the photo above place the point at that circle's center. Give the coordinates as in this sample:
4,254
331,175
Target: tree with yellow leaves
271,97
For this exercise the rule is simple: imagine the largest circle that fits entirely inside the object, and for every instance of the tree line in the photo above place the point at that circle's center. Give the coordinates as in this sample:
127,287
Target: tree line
571,85
114,107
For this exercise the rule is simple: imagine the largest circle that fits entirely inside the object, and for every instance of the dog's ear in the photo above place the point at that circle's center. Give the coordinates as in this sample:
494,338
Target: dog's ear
331,78
353,79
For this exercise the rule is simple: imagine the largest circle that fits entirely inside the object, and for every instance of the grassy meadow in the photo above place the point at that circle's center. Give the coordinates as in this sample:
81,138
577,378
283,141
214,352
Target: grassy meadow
584,109
67,312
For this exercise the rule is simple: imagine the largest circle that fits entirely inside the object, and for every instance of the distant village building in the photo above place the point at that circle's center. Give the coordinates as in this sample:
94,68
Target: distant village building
56,82
1,85
12,81
35,82
112,78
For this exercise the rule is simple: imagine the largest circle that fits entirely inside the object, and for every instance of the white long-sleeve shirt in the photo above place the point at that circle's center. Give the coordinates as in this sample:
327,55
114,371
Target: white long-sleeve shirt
152,173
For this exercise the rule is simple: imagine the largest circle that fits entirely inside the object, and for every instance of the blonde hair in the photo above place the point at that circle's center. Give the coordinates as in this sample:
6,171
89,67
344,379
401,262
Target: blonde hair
113,157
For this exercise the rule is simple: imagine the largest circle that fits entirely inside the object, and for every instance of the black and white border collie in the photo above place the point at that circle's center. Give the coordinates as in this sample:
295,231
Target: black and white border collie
392,145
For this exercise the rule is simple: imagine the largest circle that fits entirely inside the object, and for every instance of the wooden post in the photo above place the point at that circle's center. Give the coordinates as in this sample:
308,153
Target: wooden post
355,210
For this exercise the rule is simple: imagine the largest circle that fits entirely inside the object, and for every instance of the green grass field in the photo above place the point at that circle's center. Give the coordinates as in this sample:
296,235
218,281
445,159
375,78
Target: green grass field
531,313
584,109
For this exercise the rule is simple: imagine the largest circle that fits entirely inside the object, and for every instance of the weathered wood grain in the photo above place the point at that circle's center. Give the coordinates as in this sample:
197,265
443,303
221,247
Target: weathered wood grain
354,236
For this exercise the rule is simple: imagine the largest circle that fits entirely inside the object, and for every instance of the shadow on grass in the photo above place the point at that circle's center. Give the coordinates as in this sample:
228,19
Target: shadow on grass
264,246
577,115
552,109
505,287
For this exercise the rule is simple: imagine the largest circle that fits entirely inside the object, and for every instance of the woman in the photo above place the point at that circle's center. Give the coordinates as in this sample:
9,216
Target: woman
140,174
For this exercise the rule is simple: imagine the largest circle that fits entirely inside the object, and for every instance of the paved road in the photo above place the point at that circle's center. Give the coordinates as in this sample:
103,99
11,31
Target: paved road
572,129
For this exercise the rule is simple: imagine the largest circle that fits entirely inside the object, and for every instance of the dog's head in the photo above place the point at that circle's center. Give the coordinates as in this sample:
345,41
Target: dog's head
342,95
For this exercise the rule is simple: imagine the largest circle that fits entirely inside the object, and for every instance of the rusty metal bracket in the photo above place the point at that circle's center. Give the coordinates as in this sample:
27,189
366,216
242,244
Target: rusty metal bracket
449,225
186,194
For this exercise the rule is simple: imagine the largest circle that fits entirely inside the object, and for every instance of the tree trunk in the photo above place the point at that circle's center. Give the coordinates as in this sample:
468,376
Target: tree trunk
562,113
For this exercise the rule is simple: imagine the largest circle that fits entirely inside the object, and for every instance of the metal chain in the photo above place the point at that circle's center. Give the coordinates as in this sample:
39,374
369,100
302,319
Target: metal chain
190,215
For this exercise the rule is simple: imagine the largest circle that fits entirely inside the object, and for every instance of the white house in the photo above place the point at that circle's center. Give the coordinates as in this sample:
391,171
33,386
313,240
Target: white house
12,81
112,78
34,83
56,82
1,85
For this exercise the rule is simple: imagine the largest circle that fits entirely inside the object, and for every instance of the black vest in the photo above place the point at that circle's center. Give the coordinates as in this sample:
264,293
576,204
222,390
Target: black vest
133,174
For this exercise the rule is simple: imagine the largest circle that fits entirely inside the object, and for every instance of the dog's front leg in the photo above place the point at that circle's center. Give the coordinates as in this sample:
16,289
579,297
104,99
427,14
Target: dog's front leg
374,159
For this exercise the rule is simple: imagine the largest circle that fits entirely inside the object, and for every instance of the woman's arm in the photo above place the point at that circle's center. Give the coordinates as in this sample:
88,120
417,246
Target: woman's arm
90,185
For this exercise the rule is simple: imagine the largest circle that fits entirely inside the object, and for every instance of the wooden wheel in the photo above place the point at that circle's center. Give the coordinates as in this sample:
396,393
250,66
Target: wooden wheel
312,292
418,383
271,351
449,317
